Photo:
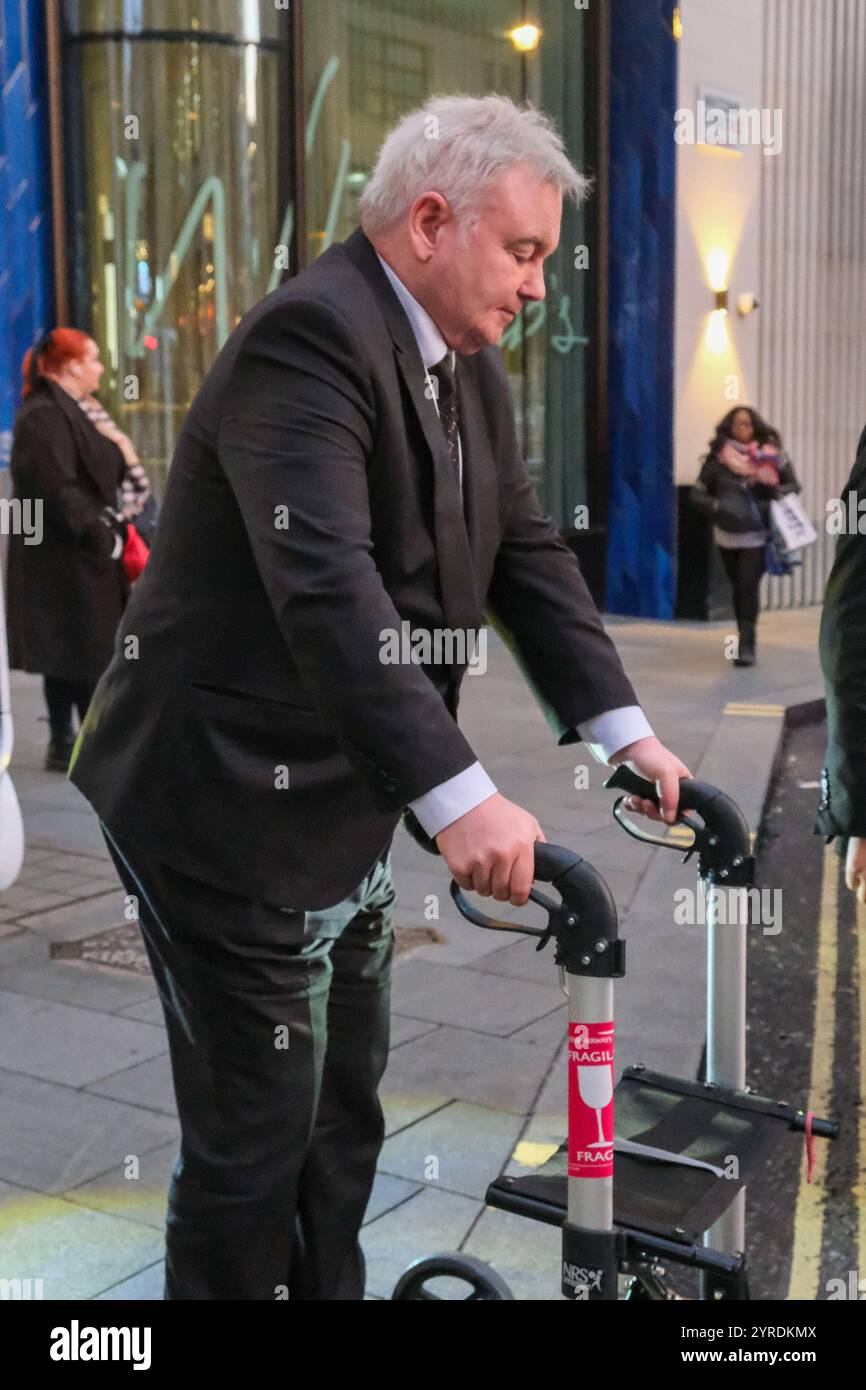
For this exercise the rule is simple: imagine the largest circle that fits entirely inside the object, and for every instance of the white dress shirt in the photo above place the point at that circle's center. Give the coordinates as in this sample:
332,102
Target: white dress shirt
604,735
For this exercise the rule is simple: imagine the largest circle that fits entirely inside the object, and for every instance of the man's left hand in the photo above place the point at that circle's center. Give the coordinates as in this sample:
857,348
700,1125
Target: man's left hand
650,759
855,867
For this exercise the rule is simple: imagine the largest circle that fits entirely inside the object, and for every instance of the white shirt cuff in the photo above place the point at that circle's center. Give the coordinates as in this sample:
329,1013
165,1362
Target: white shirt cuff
607,733
452,799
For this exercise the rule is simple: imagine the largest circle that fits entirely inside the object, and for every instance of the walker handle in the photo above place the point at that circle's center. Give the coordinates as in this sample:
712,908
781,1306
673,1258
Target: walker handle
723,841
580,885
584,921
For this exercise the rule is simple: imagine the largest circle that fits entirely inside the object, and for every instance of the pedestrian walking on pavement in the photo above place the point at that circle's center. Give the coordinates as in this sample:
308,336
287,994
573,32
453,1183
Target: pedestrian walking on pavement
66,585
744,469
349,465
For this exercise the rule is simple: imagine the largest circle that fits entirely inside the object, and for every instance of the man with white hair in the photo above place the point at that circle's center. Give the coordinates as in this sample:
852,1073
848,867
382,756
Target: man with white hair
349,465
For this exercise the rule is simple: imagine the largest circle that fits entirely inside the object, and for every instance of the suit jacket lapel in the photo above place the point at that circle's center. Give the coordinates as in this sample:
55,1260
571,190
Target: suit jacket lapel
479,465
455,558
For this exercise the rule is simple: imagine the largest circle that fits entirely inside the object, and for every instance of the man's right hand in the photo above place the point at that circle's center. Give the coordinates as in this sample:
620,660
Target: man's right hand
491,851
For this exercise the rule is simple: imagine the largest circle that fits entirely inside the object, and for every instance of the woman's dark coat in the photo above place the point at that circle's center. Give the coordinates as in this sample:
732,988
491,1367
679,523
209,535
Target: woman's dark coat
724,497
65,595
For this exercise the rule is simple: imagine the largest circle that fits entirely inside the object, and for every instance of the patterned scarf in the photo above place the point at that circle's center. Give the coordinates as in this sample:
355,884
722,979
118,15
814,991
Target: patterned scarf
134,487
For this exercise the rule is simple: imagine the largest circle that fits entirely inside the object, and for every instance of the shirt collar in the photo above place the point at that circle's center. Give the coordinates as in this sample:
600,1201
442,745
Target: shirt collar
431,345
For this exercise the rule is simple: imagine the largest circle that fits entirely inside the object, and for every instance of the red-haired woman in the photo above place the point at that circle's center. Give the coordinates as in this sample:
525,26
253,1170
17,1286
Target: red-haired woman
66,588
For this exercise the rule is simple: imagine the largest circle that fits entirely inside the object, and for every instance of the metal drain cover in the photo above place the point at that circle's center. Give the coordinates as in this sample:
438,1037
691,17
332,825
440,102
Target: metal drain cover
121,947
407,938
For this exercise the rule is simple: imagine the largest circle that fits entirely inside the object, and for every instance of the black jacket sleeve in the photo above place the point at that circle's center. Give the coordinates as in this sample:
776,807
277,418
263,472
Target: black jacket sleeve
842,650
788,480
539,603
704,495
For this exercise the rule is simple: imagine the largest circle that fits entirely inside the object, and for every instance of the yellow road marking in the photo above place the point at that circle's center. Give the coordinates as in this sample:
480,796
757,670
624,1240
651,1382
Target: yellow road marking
683,833
532,1153
812,1197
753,708
680,832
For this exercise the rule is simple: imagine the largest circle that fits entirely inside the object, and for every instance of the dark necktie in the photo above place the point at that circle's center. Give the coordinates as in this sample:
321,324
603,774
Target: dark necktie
447,402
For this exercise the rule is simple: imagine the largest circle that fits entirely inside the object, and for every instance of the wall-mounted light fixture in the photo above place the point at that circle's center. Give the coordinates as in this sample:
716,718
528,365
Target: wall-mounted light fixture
677,23
525,37
717,271
717,274
747,303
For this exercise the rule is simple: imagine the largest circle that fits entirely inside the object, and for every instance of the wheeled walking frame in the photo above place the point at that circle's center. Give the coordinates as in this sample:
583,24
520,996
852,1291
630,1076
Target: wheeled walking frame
670,1187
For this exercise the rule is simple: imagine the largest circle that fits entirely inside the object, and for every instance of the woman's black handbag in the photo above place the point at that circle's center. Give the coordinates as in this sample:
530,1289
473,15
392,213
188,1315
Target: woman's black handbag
738,511
731,506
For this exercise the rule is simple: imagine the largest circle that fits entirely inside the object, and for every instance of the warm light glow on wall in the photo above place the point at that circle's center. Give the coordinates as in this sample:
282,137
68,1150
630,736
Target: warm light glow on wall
717,263
718,202
716,337
678,23
525,37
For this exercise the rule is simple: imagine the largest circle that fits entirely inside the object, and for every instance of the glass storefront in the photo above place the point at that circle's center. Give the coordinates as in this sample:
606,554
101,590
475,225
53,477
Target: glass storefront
179,136
367,62
175,148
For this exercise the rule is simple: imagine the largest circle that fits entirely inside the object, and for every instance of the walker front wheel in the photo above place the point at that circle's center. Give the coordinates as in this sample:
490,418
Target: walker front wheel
483,1282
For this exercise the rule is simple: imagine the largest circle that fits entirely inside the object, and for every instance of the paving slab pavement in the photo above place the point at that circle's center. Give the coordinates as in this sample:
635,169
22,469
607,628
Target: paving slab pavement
476,1081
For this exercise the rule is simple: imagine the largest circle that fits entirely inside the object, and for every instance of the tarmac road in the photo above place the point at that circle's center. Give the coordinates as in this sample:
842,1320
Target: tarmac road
806,1039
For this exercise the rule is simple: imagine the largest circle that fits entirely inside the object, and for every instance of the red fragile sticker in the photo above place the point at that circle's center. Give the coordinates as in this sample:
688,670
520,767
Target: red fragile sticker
590,1100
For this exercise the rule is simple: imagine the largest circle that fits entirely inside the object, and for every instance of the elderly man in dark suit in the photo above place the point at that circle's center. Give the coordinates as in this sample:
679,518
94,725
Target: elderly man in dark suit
349,465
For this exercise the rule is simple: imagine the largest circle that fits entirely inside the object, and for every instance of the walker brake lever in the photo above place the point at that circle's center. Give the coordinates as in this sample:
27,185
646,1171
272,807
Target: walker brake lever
722,839
682,819
480,919
552,909
634,785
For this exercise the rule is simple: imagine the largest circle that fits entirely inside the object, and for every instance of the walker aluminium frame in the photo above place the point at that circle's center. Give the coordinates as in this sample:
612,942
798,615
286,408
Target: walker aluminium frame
671,1185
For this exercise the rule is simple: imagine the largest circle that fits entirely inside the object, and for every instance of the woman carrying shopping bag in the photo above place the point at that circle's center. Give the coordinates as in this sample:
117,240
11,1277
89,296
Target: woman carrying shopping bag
745,469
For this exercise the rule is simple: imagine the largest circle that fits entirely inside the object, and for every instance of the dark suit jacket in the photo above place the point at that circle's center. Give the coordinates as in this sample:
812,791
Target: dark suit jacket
842,648
65,595
311,505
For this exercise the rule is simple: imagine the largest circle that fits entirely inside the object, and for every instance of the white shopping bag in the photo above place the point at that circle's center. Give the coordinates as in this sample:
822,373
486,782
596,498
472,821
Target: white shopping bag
789,518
